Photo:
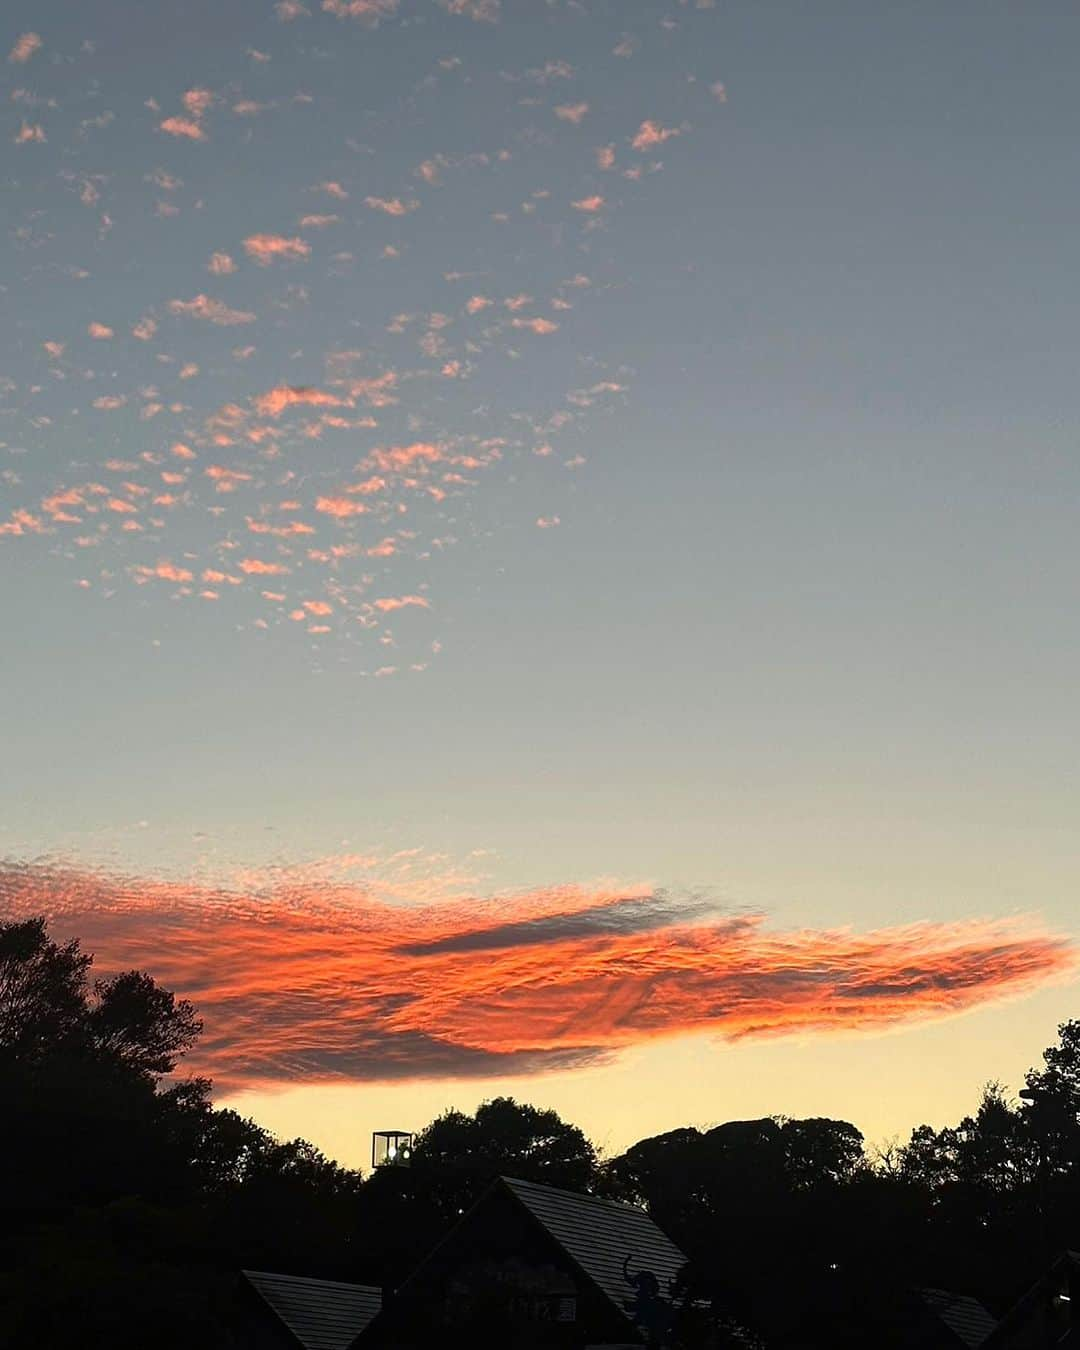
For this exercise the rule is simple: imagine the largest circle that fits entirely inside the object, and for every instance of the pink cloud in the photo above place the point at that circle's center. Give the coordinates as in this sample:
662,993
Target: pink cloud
225,480
572,112
213,311
144,330
594,203
396,458
198,101
220,264
481,11
300,976
392,206
288,10
184,127
266,248
334,189
100,331
274,402
651,134
368,11
257,568
542,326
28,133
342,508
165,571
24,48
389,603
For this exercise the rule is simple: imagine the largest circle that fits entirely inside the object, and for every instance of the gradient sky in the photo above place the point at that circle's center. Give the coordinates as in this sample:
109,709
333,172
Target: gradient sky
538,545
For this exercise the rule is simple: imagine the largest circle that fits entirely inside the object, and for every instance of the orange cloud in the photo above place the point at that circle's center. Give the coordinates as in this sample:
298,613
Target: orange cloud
572,112
274,402
650,134
305,978
340,507
392,206
28,133
398,457
369,11
255,567
536,325
225,480
164,571
197,101
220,264
265,248
213,311
24,48
183,126
99,330
594,203
389,603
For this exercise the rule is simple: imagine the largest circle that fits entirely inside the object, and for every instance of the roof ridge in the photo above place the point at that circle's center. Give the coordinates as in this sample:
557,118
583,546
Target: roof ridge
310,1279
576,1195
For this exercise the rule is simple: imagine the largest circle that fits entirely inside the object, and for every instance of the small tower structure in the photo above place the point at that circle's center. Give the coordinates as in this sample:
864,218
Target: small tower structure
391,1148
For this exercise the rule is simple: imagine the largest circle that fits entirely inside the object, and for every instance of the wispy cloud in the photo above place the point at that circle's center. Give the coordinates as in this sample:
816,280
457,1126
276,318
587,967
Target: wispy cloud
213,311
368,11
572,112
24,48
268,248
391,206
651,134
299,977
482,11
185,127
274,402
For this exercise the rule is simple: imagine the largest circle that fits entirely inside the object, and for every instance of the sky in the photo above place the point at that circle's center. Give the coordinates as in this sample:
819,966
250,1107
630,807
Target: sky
538,545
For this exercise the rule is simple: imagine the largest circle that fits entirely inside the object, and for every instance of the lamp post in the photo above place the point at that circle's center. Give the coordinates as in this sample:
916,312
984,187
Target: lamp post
391,1148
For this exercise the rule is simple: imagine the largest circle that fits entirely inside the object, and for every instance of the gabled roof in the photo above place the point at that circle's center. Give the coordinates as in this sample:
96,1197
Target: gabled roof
1032,1305
320,1314
965,1317
599,1235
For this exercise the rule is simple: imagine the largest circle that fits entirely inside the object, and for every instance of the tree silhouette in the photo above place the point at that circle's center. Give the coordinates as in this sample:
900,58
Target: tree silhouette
508,1137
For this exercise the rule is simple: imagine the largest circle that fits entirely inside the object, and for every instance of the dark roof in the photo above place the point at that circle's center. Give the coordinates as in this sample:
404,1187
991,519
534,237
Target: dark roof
965,1317
1029,1307
321,1314
600,1234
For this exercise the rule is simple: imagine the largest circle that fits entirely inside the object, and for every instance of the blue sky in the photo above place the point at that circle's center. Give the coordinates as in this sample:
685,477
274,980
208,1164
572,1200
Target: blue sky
738,560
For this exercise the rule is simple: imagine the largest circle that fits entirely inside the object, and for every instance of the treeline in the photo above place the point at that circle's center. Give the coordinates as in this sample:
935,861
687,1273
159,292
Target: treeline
129,1201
